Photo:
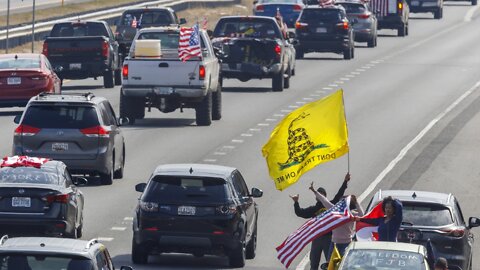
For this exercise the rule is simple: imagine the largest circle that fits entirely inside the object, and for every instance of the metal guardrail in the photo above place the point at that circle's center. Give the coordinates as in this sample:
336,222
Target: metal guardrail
23,34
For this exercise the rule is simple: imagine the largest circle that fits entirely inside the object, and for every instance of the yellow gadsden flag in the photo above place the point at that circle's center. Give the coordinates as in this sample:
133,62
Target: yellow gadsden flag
312,134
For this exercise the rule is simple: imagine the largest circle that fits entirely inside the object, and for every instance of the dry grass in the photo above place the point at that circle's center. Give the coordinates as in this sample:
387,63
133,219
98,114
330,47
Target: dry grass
191,14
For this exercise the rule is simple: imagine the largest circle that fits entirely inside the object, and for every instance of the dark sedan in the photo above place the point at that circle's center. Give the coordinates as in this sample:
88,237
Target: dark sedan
38,197
23,76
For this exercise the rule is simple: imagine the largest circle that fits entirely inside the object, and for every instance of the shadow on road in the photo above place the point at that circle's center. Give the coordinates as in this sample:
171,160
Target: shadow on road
309,58
81,87
247,89
174,261
150,123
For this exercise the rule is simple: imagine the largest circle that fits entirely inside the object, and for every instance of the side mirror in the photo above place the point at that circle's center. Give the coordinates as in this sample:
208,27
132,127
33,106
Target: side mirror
140,187
122,121
126,268
473,222
17,118
210,33
79,181
256,193
183,21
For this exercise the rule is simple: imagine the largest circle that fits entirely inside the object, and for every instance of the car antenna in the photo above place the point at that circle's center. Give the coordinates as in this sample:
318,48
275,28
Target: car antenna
414,195
16,57
191,170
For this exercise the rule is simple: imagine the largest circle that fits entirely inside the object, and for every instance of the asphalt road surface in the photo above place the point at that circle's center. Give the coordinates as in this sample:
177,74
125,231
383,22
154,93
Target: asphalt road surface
412,106
17,6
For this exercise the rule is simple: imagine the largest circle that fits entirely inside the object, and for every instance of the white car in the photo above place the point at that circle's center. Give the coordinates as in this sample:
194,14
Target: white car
376,255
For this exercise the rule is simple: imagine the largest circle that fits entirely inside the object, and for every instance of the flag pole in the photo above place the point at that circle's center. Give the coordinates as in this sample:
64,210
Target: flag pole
346,124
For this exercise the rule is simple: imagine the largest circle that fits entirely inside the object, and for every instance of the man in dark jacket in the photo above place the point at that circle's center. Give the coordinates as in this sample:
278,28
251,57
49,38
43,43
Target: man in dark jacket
321,243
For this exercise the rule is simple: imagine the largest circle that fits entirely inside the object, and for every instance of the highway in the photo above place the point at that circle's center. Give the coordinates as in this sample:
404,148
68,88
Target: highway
17,6
412,106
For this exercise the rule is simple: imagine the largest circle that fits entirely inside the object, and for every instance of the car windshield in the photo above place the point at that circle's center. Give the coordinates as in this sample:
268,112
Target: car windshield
43,262
9,175
246,27
79,29
57,116
12,63
321,15
377,259
426,214
353,8
168,40
146,17
182,189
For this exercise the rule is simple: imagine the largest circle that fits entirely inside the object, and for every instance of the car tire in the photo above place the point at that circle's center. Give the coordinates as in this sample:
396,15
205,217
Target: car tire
252,245
118,174
237,256
293,71
107,178
73,234
80,229
402,31
286,78
108,79
217,103
277,82
299,54
372,42
139,253
118,77
347,54
203,111
474,2
127,108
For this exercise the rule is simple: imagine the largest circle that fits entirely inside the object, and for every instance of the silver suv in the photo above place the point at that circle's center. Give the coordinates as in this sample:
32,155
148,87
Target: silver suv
35,253
79,129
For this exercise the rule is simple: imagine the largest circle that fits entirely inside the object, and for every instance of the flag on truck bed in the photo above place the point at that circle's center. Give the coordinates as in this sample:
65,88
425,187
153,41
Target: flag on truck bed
379,7
189,43
315,227
326,3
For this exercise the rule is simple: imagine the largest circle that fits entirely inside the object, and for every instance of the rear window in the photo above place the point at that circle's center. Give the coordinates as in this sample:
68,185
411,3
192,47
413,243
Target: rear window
78,30
247,27
353,8
41,262
57,116
426,214
383,260
321,15
19,63
28,175
181,189
147,18
168,40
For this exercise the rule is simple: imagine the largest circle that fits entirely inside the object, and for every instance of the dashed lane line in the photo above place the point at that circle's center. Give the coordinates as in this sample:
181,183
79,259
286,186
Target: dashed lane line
118,228
237,141
105,239
210,160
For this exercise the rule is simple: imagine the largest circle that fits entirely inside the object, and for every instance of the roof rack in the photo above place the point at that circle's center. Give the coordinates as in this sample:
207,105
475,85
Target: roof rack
91,243
88,96
3,239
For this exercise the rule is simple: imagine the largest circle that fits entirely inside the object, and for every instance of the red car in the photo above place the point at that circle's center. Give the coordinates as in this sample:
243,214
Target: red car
23,76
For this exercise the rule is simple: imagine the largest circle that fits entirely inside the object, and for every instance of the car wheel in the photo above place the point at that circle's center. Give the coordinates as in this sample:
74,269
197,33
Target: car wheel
299,54
203,111
347,54
293,71
474,2
372,42
252,245
277,82
108,79
73,234
217,103
238,256
127,107
118,77
402,31
80,229
286,78
353,52
107,178
139,253
118,174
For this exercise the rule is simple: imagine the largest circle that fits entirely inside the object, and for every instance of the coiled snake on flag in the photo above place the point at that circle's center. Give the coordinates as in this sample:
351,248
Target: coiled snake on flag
299,143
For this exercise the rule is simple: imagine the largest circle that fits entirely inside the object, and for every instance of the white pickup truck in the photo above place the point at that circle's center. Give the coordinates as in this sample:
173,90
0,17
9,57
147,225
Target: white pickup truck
154,76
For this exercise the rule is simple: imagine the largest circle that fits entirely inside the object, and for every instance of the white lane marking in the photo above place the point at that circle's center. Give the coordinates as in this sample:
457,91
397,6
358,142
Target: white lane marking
301,102
128,218
307,98
270,120
345,79
219,153
278,115
286,111
420,135
315,95
246,135
118,228
255,129
350,76
237,141
366,67
325,88
105,239
303,263
263,124
209,160
292,106
470,12
360,69
333,85
228,146
338,82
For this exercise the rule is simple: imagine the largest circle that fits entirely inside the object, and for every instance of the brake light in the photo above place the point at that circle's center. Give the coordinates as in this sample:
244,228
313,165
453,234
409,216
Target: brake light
400,6
125,71
201,73
39,78
297,8
457,232
218,232
24,130
151,229
105,49
278,49
260,8
229,209
343,25
45,49
364,16
300,25
96,131
62,198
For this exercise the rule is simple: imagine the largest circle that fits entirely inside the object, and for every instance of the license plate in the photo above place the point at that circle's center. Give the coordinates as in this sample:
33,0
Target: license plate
58,147
14,80
163,90
21,202
321,30
186,210
415,3
75,66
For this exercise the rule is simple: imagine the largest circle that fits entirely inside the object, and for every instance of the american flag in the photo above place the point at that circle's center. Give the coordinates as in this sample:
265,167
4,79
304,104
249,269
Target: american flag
204,23
379,7
317,226
23,161
326,3
189,43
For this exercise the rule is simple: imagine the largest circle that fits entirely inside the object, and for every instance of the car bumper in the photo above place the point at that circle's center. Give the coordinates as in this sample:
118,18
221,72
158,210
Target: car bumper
156,90
390,22
86,70
337,46
363,35
249,70
24,226
425,7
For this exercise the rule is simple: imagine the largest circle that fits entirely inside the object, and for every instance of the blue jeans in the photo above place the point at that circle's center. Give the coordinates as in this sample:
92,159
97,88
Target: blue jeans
341,248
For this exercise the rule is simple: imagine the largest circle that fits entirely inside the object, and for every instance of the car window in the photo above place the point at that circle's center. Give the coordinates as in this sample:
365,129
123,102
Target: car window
247,27
41,262
102,262
68,178
108,119
168,40
458,213
426,214
109,259
383,260
184,189
321,15
12,63
10,175
79,29
353,8
111,112
239,184
58,116
146,17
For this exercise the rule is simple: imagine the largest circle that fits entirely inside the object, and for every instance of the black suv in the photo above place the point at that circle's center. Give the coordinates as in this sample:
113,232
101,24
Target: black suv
198,209
436,218
324,29
37,197
78,129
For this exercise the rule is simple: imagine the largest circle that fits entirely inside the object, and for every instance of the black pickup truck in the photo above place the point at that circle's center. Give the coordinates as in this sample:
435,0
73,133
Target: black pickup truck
254,47
84,49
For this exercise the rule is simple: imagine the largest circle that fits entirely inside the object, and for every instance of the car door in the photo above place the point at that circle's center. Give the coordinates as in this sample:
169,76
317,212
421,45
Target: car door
210,62
468,236
116,139
246,201
77,198
52,75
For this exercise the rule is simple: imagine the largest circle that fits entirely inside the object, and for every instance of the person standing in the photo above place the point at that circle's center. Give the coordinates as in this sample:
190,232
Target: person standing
388,225
322,243
441,264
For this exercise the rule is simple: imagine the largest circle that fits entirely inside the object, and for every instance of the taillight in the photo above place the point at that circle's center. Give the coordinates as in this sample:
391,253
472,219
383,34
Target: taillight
45,49
39,78
151,229
457,232
400,6
125,71
300,25
343,25
278,49
364,16
297,8
259,8
105,49
149,206
229,209
62,198
24,130
96,131
201,73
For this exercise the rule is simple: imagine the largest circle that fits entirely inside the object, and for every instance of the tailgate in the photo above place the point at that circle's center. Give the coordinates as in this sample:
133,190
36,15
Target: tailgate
75,49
